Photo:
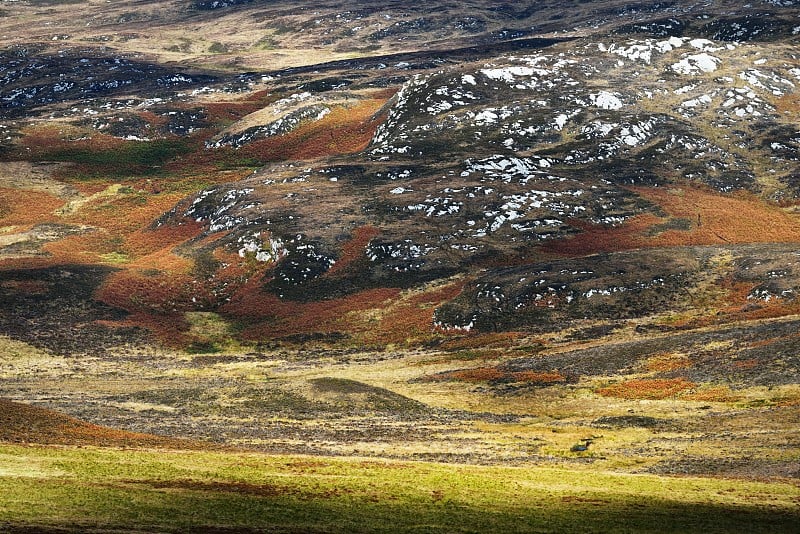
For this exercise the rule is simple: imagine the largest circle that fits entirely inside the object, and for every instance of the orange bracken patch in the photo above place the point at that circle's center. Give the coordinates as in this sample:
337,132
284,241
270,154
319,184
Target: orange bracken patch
124,213
746,365
494,374
737,306
409,319
714,219
663,363
146,241
541,378
345,130
274,317
159,283
27,208
788,104
739,218
713,394
788,401
481,374
22,423
231,111
400,318
41,139
82,248
170,329
152,118
353,249
594,239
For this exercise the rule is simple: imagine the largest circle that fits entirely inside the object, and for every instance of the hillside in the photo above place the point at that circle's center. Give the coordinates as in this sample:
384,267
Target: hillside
261,196
539,234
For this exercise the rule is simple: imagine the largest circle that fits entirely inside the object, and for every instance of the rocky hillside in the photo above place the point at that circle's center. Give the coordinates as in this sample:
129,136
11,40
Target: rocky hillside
515,167
637,141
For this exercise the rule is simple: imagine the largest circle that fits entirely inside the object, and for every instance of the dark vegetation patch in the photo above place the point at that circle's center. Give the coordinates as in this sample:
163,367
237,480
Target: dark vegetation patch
31,79
740,356
438,26
542,296
628,421
131,158
211,5
314,337
726,466
227,400
676,223
331,396
503,382
323,85
666,27
594,332
763,26
352,395
155,123
751,27
46,3
62,315
427,59
615,286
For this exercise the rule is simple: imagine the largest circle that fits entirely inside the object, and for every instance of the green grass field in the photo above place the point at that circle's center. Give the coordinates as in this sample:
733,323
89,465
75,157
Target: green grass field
106,490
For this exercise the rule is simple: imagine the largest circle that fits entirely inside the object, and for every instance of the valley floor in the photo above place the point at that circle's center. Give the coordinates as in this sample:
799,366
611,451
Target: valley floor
457,439
614,406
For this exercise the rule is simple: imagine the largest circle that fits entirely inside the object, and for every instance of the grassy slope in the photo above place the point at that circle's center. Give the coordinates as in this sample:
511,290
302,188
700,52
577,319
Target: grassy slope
163,491
87,488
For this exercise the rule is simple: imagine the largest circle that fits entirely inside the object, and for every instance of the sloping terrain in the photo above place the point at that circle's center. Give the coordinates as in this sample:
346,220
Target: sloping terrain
557,234
490,164
20,423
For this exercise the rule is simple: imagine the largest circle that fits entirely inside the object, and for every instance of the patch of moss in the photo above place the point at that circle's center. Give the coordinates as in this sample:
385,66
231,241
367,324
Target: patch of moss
132,158
218,48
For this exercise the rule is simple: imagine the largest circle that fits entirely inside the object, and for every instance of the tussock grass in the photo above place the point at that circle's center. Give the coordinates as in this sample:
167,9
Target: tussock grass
79,489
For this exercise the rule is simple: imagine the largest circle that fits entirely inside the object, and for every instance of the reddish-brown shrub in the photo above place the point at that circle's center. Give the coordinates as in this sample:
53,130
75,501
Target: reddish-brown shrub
712,394
27,208
494,374
662,363
409,319
716,219
345,130
739,218
273,317
353,249
788,401
481,374
746,365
